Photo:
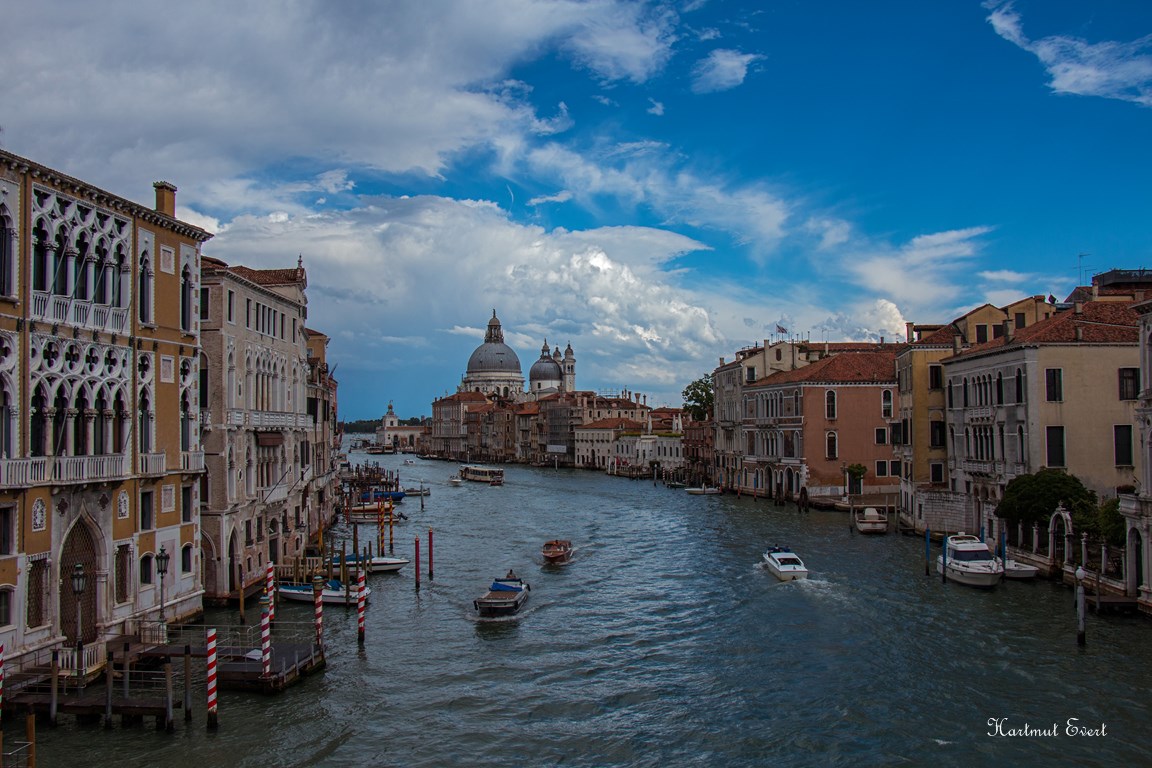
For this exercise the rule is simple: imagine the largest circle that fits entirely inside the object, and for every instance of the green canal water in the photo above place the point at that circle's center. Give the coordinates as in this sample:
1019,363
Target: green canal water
665,643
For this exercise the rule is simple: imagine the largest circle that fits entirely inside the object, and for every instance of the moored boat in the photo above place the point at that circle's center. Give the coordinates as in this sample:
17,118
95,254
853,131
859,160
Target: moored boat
374,564
870,520
1014,569
334,593
504,597
967,560
557,551
704,490
785,564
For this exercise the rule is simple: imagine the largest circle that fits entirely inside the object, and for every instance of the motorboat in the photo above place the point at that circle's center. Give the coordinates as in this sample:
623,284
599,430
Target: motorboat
557,551
505,596
455,480
870,520
1014,569
334,592
423,490
704,490
785,564
967,560
374,564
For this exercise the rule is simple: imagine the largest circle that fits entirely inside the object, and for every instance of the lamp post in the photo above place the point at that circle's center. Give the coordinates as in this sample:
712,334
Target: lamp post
79,581
162,568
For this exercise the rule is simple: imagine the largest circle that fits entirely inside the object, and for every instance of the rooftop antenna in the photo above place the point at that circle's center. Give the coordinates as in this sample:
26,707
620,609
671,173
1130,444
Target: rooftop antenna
1080,262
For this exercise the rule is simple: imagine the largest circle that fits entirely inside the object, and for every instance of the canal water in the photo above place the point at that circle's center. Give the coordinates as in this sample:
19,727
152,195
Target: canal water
666,643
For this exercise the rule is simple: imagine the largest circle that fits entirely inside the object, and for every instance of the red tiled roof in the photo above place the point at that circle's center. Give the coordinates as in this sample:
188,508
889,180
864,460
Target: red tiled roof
1099,322
270,276
843,368
614,423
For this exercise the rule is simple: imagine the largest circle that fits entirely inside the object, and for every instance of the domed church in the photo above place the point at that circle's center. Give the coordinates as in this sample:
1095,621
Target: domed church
494,369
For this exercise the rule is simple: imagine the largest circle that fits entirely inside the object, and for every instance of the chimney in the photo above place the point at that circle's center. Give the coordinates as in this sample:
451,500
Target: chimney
956,344
166,198
1139,295
908,332
1095,290
1009,334
1079,333
1079,307
881,341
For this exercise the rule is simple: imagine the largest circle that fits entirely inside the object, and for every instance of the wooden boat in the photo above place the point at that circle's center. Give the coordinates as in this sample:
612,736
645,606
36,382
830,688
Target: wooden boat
504,596
374,564
421,491
557,551
785,564
334,593
373,514
704,491
870,520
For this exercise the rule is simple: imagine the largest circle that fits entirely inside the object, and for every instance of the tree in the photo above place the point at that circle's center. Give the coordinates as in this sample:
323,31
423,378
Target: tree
698,397
1033,498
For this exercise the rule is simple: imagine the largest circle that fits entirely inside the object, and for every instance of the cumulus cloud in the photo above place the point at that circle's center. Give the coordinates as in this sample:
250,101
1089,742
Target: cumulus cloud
655,108
721,70
1109,69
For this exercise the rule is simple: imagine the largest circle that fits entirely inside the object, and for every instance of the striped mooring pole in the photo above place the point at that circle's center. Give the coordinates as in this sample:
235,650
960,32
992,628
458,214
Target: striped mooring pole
270,589
361,599
318,599
265,639
210,647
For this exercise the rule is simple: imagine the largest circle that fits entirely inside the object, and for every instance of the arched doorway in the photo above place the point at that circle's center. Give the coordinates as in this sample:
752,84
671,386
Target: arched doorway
209,575
79,548
233,562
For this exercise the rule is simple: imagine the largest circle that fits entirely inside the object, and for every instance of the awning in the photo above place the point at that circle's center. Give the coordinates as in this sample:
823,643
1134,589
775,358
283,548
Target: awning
269,438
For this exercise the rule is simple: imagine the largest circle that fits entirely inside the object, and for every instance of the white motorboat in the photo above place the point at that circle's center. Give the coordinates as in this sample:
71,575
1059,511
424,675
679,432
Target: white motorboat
334,592
374,564
870,520
1017,570
455,480
967,560
785,564
704,491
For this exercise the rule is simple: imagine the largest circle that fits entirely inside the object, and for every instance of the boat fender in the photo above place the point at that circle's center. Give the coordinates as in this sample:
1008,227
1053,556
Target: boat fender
528,587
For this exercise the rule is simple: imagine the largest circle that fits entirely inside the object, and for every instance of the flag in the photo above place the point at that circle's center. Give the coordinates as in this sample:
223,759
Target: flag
781,329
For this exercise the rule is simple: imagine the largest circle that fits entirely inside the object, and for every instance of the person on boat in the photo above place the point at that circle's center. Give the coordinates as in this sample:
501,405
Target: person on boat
511,574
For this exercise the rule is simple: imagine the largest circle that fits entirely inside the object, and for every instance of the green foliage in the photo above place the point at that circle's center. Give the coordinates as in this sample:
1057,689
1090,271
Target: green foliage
361,427
1112,524
698,398
1033,498
856,471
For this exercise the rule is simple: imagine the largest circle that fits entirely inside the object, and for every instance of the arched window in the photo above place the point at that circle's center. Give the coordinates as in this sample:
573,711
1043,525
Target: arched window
41,259
145,427
144,290
950,403
830,404
1020,444
186,299
80,427
886,404
7,255
965,391
1019,386
100,427
999,388
146,569
832,446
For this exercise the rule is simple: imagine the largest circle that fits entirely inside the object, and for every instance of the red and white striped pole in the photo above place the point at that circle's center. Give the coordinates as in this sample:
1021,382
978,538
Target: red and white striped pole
429,553
318,599
361,599
265,639
270,589
417,570
2,677
210,644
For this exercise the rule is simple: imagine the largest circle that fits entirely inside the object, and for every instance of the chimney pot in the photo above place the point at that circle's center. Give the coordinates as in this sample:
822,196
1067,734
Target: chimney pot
165,198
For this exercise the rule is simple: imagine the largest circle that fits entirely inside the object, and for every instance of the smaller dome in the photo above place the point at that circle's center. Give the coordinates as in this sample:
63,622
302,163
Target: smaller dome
546,371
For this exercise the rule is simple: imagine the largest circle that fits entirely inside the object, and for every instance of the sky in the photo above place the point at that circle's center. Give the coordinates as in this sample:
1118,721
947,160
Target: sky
658,184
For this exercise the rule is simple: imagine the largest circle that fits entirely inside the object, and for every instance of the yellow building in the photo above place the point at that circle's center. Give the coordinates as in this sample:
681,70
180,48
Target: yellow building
99,368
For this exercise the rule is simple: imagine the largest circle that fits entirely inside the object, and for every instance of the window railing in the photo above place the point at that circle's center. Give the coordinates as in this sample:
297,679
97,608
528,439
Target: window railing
153,463
192,461
53,308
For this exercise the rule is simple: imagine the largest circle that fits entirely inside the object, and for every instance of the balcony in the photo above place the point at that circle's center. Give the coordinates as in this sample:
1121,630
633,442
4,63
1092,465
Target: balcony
63,470
269,419
23,473
153,464
52,308
192,461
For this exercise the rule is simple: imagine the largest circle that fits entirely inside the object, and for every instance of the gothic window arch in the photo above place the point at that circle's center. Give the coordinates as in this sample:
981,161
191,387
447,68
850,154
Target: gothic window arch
186,288
8,251
144,289
830,404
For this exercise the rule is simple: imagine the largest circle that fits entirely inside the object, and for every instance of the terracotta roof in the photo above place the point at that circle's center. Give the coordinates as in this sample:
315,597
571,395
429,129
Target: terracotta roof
842,368
270,276
1099,322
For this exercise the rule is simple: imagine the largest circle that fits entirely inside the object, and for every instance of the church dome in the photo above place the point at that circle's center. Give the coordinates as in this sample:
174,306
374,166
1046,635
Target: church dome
545,371
494,356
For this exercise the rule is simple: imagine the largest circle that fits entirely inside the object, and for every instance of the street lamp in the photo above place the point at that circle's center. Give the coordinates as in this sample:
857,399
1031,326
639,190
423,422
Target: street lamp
162,559
79,581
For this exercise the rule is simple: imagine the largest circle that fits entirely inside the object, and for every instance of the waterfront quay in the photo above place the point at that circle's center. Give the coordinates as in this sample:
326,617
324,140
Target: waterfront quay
665,643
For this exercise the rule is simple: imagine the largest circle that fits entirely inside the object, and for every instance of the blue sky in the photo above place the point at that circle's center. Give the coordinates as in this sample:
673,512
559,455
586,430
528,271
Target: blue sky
657,184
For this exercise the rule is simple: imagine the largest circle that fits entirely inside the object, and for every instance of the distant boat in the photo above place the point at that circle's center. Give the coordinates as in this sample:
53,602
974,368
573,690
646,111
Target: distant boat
490,475
785,564
374,564
455,480
704,491
333,593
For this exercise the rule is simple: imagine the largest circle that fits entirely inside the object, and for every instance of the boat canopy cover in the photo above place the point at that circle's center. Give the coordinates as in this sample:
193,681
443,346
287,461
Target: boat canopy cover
505,586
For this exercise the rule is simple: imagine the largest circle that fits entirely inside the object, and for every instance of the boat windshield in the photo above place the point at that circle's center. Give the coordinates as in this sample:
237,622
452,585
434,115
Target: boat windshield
972,555
788,561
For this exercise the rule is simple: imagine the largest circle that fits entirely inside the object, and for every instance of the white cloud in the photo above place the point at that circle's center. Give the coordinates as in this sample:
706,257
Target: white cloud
656,108
1112,70
722,70
560,197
